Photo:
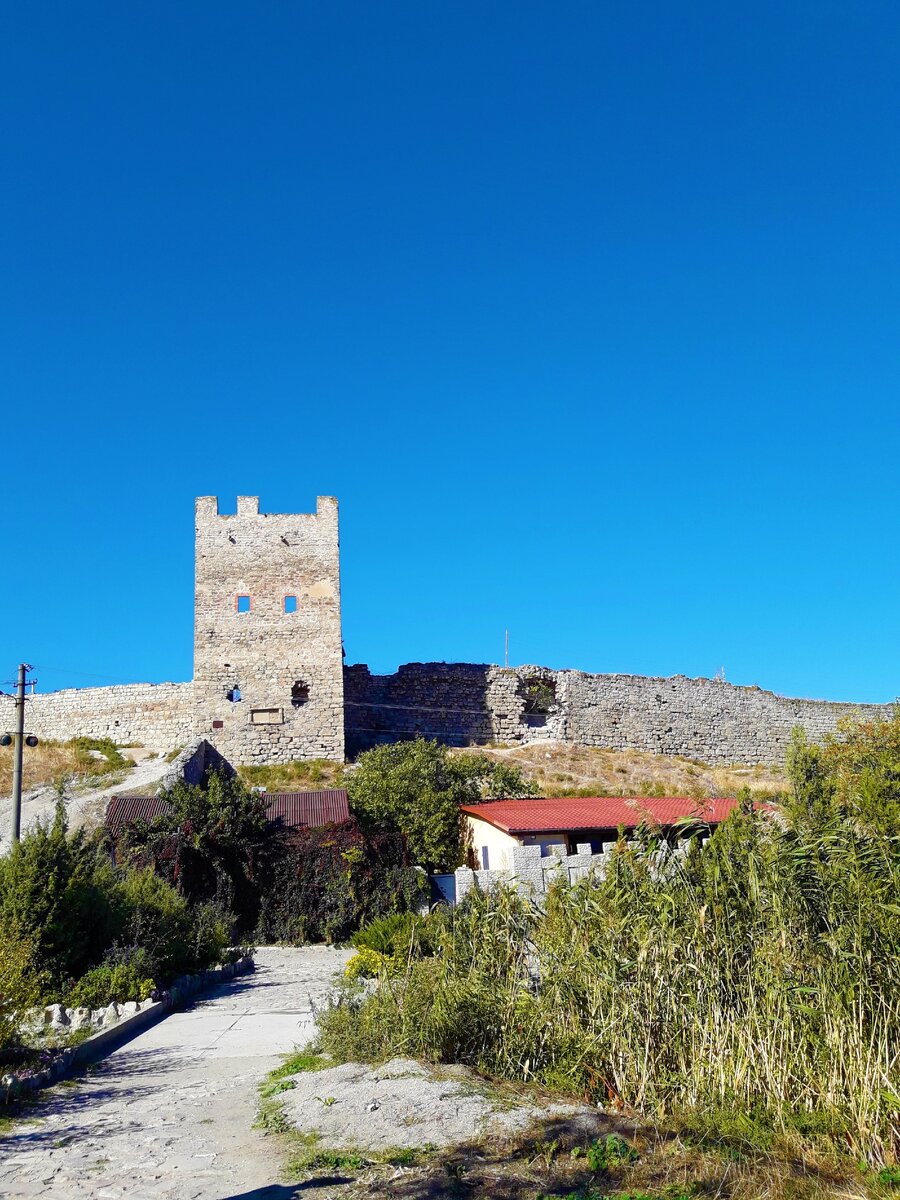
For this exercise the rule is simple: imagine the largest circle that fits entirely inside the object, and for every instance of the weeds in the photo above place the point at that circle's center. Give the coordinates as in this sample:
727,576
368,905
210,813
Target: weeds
300,1060
753,983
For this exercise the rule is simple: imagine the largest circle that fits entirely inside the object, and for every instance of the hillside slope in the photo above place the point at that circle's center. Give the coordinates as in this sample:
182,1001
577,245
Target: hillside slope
561,769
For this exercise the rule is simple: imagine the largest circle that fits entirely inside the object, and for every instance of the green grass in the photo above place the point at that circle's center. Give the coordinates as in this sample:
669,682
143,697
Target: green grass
270,1115
299,1061
297,775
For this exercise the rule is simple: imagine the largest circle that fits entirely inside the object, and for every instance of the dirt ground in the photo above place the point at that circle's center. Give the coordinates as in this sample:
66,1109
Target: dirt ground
560,769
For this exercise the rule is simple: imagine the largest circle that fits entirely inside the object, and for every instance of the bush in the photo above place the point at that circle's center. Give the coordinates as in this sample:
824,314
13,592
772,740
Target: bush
113,759
113,983
71,923
387,944
60,893
393,934
158,922
326,882
20,984
416,788
211,845
369,964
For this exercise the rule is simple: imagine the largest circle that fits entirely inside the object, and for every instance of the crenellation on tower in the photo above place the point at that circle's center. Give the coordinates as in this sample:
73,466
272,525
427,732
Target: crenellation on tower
268,658
270,684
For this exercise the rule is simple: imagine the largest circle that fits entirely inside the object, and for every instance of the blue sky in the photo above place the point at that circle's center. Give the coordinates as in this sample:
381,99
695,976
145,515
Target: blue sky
588,314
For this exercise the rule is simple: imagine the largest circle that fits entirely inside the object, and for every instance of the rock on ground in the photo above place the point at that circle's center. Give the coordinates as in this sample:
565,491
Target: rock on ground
403,1105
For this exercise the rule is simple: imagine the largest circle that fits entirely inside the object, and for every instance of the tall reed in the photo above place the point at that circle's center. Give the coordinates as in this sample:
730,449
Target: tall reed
760,972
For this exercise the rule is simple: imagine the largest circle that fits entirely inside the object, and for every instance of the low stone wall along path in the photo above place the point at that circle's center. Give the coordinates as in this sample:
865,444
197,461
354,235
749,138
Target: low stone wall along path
169,1115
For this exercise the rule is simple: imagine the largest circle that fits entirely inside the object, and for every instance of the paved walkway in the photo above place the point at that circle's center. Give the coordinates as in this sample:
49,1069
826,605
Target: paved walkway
169,1116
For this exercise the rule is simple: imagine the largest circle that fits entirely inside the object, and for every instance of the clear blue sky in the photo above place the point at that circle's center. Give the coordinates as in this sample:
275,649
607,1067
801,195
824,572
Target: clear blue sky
587,312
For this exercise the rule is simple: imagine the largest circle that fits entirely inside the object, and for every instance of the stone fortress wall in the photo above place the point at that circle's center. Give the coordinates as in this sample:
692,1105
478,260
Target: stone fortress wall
467,704
152,714
270,685
704,719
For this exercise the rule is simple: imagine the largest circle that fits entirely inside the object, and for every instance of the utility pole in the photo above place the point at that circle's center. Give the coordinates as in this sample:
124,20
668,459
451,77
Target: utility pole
19,741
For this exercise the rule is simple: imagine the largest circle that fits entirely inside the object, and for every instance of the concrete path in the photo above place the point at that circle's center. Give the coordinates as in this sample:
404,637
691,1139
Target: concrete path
169,1116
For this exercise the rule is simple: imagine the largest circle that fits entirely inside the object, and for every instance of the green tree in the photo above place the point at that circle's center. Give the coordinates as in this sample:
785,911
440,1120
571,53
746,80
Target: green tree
59,892
417,788
20,983
210,844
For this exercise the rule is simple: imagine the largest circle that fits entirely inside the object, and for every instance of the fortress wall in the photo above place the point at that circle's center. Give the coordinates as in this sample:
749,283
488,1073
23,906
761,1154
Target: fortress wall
155,714
444,701
698,718
469,704
462,703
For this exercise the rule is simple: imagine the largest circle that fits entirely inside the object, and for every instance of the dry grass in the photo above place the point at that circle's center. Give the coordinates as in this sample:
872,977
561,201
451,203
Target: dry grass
55,762
560,769
541,1163
294,776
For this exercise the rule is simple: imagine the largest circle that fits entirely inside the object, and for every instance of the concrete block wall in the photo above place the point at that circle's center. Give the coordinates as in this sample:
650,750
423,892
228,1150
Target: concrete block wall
536,872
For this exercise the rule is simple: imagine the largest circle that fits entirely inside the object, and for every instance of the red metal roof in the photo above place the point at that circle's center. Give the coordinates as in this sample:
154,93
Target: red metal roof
292,810
287,810
596,812
125,810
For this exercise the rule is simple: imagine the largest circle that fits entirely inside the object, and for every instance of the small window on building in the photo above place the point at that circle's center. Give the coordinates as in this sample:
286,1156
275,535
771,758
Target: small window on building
485,858
233,694
218,724
243,603
290,604
299,693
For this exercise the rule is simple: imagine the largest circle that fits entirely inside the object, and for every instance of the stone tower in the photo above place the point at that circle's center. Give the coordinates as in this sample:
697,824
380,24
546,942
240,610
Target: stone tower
268,659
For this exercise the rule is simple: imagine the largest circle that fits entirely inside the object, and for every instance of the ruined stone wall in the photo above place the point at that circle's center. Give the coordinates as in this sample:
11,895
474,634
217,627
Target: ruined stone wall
462,704
154,714
285,666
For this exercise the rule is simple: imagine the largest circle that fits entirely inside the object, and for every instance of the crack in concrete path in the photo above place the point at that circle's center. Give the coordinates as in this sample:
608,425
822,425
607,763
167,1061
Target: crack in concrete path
169,1116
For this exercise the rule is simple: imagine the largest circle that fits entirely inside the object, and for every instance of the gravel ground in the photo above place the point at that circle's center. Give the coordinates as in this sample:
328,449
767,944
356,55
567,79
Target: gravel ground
404,1105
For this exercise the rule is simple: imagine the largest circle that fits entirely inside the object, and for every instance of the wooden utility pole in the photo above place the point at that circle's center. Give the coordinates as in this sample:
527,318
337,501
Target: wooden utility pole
18,740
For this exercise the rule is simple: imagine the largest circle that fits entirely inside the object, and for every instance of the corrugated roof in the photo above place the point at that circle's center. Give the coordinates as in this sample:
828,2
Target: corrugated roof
125,810
596,812
286,810
292,810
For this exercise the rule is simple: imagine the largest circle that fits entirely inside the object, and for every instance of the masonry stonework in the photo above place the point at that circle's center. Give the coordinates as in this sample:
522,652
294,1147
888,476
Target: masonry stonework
270,686
268,660
461,703
152,714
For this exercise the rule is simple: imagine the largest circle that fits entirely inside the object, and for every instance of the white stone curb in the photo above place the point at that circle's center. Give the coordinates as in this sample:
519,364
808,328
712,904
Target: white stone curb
99,1045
